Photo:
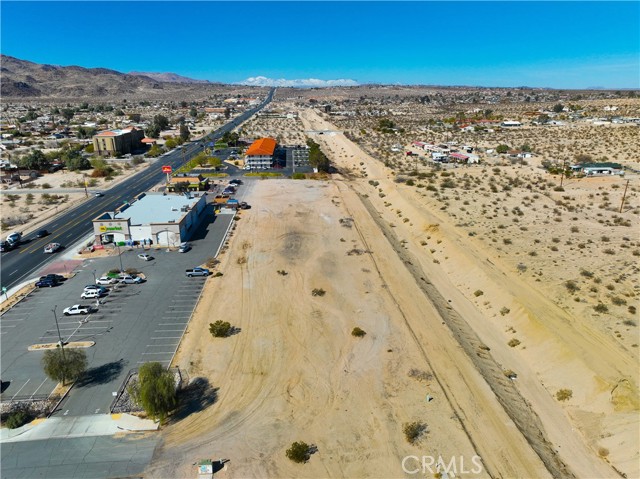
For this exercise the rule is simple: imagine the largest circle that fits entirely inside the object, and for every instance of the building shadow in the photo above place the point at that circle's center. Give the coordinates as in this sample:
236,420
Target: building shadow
196,397
208,218
101,374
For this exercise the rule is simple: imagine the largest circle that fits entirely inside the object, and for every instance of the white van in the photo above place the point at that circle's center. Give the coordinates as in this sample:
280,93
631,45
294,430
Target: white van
91,294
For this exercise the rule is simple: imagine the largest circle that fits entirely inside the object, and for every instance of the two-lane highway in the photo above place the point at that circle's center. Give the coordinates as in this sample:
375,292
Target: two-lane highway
74,225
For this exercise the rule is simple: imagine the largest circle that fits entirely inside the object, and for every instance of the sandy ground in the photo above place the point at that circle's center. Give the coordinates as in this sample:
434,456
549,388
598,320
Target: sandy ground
295,373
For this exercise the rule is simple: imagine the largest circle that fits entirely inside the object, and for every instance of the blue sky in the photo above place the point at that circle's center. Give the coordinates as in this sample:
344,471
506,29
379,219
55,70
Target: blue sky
539,44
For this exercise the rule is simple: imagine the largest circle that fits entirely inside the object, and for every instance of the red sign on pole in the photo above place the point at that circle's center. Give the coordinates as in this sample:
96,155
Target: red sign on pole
166,169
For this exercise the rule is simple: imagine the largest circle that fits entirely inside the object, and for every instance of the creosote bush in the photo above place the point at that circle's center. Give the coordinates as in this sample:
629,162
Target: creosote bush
220,329
299,452
318,292
357,332
564,394
413,430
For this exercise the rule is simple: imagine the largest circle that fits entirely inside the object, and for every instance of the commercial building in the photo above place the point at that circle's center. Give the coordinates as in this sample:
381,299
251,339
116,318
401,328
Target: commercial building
193,183
118,142
153,218
260,154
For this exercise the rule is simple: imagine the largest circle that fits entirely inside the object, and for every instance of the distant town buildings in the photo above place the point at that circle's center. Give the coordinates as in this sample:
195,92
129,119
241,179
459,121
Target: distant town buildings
118,142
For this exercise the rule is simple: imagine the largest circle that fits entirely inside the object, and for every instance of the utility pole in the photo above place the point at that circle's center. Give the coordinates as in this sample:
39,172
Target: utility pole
60,342
624,195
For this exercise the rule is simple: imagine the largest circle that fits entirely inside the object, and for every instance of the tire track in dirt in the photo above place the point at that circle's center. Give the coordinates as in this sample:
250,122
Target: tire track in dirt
513,403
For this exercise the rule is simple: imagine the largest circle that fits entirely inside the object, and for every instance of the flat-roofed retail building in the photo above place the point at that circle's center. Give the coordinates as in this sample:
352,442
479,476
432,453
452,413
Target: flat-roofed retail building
153,218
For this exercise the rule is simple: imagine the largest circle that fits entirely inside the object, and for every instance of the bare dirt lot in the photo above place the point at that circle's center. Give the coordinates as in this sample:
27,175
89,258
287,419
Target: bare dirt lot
447,314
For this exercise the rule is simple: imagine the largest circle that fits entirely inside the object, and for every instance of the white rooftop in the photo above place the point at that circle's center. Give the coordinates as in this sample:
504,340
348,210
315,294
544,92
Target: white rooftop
157,208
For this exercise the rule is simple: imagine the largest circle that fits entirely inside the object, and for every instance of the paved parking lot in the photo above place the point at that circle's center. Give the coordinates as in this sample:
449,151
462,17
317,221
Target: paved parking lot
135,323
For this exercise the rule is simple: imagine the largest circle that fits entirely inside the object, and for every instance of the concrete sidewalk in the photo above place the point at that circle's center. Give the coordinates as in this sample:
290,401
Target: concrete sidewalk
78,426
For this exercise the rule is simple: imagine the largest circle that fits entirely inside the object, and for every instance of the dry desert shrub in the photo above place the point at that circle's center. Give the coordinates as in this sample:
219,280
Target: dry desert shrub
564,394
413,431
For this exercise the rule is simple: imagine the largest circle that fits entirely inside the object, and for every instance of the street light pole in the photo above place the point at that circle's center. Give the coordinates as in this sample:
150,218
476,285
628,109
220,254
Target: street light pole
120,258
94,276
61,342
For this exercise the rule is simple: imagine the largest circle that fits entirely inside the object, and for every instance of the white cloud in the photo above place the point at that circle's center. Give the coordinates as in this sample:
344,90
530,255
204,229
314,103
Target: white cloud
300,83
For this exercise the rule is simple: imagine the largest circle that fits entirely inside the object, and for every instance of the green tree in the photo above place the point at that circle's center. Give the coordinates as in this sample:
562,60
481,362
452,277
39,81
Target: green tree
67,113
154,151
502,148
152,131
62,365
184,132
193,112
155,390
227,113
201,159
170,143
161,121
85,132
557,108
317,158
215,162
36,160
76,162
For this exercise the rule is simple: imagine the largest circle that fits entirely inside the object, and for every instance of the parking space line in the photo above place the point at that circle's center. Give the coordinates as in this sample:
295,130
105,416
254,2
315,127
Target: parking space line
157,360
170,324
21,389
168,337
8,325
154,354
158,345
168,331
34,392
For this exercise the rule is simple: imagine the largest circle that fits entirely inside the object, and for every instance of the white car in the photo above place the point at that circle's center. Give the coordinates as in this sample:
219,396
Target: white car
131,280
52,247
106,280
91,294
145,257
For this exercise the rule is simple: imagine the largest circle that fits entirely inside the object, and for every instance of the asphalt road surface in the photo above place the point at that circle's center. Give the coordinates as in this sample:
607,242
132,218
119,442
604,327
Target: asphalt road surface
20,264
134,324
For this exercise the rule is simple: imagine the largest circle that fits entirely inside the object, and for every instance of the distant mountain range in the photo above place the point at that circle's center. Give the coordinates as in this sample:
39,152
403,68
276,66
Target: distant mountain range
168,77
24,79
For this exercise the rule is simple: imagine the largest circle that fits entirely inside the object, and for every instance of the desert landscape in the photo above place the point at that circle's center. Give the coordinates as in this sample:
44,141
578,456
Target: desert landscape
495,315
